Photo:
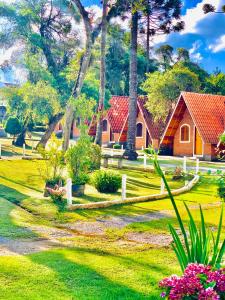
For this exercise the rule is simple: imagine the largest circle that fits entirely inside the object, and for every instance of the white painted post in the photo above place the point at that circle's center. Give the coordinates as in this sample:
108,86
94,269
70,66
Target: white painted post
197,166
69,191
24,150
142,148
185,165
112,153
124,186
162,188
145,161
121,147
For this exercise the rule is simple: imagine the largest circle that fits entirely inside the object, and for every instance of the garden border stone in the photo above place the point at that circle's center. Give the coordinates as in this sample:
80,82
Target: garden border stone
104,204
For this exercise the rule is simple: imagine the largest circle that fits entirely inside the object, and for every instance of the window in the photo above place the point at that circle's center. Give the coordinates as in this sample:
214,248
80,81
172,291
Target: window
139,130
78,122
185,133
104,125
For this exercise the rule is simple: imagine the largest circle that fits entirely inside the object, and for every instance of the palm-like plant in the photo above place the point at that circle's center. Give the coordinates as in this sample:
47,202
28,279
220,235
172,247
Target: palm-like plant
198,245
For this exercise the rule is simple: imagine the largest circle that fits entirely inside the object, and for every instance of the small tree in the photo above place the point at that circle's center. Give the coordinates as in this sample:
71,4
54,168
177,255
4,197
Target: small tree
13,127
163,89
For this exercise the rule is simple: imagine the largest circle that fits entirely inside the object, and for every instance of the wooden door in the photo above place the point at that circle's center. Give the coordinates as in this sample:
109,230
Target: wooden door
198,143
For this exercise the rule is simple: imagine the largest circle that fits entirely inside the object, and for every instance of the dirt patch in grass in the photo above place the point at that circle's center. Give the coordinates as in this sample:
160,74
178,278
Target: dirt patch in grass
99,226
148,238
9,247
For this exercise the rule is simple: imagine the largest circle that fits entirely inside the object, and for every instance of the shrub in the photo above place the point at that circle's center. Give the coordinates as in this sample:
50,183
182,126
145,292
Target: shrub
117,146
106,181
52,167
13,126
78,160
197,282
58,180
221,187
80,179
95,157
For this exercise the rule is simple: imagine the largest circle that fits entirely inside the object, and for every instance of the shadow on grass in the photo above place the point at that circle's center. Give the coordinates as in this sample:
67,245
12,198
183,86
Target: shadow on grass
8,226
20,183
84,279
11,194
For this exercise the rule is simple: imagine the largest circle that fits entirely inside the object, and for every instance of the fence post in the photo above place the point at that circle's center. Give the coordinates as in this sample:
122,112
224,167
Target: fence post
122,147
145,161
124,186
197,166
112,153
24,150
185,165
69,191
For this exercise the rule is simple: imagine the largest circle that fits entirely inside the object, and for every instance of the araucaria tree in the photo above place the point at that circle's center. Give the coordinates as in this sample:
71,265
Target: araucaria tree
98,138
160,14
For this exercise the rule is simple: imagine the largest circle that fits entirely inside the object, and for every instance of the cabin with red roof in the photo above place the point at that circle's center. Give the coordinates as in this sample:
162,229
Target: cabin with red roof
115,124
195,126
75,130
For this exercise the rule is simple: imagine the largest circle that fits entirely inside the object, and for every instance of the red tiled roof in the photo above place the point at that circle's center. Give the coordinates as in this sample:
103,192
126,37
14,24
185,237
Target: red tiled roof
155,128
208,113
118,112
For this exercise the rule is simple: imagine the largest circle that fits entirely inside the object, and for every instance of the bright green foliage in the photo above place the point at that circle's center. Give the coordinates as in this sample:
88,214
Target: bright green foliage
106,181
117,62
216,84
95,157
78,160
200,245
51,169
42,99
163,89
221,187
13,126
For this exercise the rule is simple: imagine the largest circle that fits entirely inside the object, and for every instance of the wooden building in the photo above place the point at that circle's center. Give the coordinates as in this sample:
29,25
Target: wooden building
195,126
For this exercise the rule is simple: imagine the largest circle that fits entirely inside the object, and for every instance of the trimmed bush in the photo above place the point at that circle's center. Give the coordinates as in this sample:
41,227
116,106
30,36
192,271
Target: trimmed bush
106,181
117,146
13,126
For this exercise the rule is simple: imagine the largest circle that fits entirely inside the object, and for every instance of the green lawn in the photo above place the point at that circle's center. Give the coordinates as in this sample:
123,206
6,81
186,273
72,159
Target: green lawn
93,267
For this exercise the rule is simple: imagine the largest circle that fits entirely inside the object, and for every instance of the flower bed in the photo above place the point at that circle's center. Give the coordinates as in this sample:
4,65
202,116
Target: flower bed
198,282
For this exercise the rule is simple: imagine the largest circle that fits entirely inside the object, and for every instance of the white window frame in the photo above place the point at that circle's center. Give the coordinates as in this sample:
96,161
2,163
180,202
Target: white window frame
189,140
139,137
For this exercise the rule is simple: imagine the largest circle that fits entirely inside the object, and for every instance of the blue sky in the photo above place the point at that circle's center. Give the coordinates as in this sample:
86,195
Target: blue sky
204,35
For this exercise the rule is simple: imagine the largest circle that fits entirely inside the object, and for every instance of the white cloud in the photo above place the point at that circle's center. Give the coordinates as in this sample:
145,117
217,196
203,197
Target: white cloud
219,45
194,51
196,14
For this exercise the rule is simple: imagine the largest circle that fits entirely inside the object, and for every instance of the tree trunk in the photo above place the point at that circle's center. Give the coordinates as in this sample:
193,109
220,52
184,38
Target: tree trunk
84,64
51,127
98,138
20,140
148,39
130,152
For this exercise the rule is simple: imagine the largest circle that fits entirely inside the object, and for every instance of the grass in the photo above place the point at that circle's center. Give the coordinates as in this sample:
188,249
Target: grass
94,267
83,273
21,184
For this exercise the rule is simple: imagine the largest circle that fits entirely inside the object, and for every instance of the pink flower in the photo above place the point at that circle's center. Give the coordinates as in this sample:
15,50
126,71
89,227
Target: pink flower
208,294
194,282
